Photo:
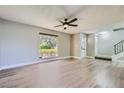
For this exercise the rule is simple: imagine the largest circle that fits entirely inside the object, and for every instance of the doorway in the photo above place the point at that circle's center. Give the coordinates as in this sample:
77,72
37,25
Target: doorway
83,45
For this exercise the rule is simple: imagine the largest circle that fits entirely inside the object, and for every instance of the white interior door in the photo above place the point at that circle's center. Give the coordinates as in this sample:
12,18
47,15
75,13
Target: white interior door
83,46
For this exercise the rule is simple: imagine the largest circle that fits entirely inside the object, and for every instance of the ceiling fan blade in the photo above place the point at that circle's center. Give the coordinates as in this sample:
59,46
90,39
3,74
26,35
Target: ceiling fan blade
73,25
61,21
58,25
73,20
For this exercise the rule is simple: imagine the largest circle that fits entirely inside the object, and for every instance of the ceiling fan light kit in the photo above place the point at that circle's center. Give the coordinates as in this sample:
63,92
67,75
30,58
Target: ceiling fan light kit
65,25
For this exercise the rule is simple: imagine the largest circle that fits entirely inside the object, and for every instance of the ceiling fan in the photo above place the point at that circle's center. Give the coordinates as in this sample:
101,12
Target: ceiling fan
67,23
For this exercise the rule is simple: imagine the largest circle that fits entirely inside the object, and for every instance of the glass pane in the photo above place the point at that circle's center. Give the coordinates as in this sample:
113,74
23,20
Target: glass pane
48,46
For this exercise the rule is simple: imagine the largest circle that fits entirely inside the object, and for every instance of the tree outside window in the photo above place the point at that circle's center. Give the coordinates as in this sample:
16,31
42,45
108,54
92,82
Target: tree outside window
48,46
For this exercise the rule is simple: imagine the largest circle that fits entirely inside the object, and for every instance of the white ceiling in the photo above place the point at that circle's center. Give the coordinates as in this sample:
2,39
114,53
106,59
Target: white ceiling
89,17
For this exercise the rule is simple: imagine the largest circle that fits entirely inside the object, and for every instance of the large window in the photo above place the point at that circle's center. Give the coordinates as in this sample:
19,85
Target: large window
48,45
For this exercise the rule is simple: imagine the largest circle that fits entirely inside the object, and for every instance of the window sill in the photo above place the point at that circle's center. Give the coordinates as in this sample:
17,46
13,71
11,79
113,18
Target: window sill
49,57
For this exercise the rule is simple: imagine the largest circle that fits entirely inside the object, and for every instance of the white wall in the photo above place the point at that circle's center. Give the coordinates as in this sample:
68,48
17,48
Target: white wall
75,45
1,35
20,43
90,45
106,40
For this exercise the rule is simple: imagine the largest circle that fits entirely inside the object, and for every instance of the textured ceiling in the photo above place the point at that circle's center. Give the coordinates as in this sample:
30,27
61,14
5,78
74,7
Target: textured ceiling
90,17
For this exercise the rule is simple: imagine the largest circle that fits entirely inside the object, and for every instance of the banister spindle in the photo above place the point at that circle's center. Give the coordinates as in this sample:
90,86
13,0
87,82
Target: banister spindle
119,47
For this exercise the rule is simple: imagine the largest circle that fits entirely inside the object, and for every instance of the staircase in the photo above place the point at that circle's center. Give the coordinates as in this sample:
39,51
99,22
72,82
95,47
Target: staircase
118,52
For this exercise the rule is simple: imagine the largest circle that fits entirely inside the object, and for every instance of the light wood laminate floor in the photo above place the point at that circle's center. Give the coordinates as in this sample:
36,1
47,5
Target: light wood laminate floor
69,73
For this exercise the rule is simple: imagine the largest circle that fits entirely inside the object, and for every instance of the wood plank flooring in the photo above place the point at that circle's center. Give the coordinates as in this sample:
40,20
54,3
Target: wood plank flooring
69,73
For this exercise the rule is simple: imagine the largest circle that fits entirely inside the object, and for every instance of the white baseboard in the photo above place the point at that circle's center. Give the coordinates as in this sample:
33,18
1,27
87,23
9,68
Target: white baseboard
17,65
121,61
75,57
39,61
90,57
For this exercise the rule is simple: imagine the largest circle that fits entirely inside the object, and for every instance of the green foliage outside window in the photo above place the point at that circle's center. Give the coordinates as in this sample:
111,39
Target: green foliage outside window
48,46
